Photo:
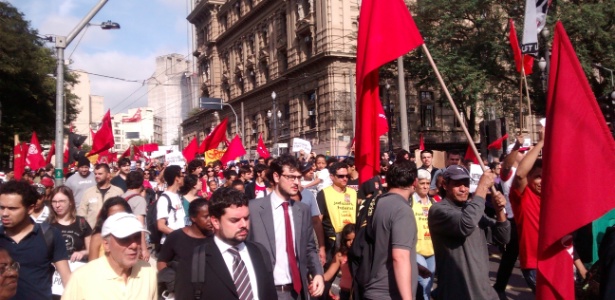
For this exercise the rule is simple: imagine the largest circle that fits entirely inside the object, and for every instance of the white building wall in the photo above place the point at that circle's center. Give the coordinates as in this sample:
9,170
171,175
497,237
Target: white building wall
125,131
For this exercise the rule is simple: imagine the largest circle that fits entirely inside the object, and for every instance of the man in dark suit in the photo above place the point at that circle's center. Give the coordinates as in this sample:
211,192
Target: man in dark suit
276,219
235,268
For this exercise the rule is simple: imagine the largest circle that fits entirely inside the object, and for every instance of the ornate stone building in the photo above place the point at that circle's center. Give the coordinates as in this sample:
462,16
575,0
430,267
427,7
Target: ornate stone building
303,50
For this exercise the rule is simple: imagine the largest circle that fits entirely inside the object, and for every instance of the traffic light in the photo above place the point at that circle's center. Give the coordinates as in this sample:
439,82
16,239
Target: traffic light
74,146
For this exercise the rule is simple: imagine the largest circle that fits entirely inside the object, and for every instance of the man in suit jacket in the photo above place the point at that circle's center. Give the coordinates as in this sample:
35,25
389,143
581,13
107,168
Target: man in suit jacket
231,261
269,217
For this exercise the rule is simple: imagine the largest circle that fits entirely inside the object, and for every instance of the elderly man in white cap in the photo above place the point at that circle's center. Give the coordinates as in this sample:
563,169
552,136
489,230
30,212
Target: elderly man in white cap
119,274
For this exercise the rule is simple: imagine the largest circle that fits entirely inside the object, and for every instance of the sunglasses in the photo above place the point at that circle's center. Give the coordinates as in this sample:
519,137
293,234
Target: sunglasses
342,176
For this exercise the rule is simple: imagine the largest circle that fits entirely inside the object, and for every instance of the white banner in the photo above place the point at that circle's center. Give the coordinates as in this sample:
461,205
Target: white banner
56,282
175,158
530,30
301,144
475,173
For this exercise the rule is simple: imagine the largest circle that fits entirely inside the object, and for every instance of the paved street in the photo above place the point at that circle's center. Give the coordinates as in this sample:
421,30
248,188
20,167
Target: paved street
517,288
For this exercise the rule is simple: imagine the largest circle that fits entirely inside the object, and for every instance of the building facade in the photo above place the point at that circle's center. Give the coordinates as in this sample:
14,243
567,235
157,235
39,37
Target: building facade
91,107
172,94
137,125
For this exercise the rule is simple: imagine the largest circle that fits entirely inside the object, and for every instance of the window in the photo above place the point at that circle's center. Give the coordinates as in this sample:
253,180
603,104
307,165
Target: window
426,96
427,115
283,62
132,135
311,109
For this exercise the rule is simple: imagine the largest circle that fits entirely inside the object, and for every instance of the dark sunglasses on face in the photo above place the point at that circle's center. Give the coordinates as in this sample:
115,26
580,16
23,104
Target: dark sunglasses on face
342,176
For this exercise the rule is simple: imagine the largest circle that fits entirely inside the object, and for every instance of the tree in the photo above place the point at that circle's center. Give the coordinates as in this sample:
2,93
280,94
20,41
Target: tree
468,39
27,92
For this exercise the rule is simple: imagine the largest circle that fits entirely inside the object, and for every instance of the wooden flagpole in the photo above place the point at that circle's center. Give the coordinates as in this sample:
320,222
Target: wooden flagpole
527,93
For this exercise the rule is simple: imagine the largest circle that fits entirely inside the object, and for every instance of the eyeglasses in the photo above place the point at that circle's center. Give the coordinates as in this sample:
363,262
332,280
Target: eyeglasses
146,173
291,177
12,266
54,202
342,176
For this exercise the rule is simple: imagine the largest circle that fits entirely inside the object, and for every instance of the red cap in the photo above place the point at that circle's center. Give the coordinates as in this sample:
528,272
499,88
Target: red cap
47,182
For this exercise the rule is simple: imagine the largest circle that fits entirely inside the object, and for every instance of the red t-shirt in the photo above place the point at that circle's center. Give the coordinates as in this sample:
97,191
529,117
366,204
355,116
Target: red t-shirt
526,207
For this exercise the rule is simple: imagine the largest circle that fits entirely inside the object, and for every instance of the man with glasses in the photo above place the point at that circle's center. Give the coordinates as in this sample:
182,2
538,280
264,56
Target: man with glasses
120,179
284,227
9,275
338,206
456,225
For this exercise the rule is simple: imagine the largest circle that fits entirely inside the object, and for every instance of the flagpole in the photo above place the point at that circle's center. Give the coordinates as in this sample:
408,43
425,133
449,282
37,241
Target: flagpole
527,92
521,97
529,107
452,103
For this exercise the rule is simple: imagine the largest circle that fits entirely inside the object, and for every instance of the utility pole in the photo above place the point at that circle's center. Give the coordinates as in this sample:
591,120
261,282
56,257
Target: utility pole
403,111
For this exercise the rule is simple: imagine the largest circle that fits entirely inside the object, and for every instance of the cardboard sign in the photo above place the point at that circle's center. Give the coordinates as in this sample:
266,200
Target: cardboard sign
301,144
175,158
56,282
475,173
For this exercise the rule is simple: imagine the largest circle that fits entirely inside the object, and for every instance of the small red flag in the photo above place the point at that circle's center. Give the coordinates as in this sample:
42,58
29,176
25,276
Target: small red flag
528,60
421,142
575,127
104,136
217,136
235,149
497,144
35,159
261,149
52,152
126,153
19,160
470,155
149,147
190,151
386,32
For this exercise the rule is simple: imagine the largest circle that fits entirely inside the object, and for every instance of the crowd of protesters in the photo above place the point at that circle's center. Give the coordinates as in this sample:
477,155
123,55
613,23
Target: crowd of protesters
277,228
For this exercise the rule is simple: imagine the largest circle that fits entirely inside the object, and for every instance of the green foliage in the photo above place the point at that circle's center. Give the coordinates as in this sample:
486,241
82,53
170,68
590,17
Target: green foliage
27,92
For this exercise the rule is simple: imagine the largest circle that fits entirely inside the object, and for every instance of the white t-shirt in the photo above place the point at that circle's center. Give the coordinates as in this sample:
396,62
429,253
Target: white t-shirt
323,175
175,217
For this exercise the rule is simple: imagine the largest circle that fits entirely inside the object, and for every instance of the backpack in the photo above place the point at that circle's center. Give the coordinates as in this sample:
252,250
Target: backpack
361,253
151,220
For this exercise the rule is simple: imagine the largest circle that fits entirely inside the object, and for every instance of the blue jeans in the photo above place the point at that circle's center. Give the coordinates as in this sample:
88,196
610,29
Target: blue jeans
426,283
530,278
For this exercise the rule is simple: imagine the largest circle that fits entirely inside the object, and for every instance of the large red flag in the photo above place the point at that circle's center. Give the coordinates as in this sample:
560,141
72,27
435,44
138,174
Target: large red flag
19,160
235,149
35,159
51,152
261,149
386,32
104,136
528,60
575,127
214,139
190,151
497,144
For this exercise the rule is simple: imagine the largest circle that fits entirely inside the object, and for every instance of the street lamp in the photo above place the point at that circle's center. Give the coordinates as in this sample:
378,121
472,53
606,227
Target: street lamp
61,43
389,116
275,122
542,64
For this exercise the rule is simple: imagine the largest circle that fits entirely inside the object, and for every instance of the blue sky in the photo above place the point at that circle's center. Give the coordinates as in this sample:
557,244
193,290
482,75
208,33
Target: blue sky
149,28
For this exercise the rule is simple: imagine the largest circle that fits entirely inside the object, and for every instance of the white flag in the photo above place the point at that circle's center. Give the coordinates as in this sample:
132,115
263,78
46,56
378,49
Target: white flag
534,21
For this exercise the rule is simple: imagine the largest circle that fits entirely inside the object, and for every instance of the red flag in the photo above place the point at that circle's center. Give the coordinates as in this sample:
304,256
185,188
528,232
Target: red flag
261,149
66,155
190,151
386,32
528,60
214,139
126,153
497,144
104,136
235,149
52,152
149,147
470,155
34,158
104,157
19,160
575,126
421,142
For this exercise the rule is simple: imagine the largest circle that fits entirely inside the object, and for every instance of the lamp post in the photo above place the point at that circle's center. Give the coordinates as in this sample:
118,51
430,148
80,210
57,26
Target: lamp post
275,123
61,43
389,116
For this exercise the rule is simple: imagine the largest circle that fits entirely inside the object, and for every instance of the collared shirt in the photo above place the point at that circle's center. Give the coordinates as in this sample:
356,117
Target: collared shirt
35,259
281,269
43,216
97,280
247,260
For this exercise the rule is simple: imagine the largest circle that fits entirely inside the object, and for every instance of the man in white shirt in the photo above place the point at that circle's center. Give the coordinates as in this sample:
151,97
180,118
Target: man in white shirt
169,208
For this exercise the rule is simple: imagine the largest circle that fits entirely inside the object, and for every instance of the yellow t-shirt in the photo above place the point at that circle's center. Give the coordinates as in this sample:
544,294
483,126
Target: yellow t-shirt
424,246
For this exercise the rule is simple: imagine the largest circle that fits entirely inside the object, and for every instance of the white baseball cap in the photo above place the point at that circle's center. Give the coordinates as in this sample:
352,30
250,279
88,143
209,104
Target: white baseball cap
121,225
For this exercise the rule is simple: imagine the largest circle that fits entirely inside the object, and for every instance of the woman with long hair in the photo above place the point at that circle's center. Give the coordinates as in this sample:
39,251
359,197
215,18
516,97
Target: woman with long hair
75,229
189,191
110,207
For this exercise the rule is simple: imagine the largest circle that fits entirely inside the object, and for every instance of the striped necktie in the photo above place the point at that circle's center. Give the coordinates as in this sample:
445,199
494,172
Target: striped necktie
240,276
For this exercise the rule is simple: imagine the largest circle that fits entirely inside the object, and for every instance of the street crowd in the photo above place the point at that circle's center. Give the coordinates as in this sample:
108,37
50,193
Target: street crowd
292,227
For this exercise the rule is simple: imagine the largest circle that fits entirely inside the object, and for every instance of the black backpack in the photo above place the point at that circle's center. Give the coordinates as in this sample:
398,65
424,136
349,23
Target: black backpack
151,220
361,253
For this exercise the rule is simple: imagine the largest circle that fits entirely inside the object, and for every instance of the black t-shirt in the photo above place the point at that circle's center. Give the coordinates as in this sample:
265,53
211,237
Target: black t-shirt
353,184
103,191
179,247
74,234
119,182
370,188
